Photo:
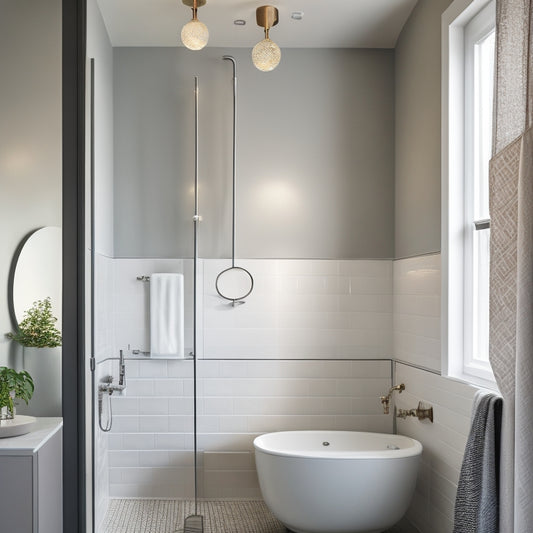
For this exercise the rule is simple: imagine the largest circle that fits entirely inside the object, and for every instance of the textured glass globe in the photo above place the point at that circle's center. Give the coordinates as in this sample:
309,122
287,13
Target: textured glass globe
266,55
194,35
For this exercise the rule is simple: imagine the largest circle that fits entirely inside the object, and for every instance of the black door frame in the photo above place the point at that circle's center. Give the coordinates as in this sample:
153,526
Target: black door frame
73,366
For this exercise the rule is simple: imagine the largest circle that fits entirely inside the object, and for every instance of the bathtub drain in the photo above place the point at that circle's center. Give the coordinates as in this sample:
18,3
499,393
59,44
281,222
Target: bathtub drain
325,443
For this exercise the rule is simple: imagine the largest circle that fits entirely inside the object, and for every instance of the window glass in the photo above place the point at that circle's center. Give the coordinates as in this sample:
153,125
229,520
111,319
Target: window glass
479,76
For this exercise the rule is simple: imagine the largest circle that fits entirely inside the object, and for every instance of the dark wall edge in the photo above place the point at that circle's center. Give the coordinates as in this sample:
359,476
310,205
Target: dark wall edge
73,116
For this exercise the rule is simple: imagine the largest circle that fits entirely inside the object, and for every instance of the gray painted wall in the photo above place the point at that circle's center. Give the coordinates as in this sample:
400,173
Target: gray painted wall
30,133
315,153
418,136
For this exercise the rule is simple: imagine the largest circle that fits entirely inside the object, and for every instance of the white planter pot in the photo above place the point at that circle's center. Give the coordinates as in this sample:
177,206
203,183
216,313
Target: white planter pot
44,366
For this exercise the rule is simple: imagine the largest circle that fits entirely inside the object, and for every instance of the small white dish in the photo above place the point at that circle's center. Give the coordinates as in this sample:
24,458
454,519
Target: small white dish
20,425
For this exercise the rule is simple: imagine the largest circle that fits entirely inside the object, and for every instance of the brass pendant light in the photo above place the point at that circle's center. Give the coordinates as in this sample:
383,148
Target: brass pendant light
194,35
266,54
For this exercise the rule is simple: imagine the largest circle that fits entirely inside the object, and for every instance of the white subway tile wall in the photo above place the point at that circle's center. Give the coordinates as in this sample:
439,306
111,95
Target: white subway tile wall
301,309
443,441
416,321
286,360
101,453
103,346
104,301
253,378
304,309
151,442
308,320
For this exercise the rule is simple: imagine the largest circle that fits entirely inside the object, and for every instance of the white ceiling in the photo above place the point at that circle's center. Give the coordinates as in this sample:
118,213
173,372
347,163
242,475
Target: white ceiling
326,23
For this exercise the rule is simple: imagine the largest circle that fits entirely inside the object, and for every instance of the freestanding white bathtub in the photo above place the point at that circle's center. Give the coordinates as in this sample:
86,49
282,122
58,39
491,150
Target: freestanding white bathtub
337,481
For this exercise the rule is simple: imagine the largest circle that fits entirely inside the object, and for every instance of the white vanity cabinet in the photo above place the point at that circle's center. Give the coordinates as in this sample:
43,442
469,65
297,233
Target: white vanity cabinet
31,484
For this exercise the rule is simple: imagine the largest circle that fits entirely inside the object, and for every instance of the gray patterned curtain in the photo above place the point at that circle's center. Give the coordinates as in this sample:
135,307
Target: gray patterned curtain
511,278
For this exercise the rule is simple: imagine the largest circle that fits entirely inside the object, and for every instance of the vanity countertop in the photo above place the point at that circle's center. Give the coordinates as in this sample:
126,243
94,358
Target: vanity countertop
29,443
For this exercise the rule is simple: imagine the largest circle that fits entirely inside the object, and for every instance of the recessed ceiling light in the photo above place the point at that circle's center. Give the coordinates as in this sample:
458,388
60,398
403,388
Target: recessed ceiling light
239,22
297,15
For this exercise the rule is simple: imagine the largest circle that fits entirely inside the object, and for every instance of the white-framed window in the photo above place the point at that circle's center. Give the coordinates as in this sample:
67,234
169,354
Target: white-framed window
468,72
479,45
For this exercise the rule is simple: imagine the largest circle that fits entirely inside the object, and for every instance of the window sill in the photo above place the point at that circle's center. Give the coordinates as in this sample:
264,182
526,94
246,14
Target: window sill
474,381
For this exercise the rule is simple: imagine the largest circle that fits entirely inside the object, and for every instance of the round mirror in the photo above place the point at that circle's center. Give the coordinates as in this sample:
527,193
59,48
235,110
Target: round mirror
36,272
234,284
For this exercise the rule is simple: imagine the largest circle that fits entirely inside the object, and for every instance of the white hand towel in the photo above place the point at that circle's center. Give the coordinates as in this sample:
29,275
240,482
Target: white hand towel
166,316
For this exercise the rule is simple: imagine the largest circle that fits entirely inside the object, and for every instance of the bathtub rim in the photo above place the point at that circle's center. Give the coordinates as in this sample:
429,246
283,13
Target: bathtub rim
413,449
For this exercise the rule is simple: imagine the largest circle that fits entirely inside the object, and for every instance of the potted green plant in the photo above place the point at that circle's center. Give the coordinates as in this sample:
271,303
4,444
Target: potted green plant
13,385
41,340
38,328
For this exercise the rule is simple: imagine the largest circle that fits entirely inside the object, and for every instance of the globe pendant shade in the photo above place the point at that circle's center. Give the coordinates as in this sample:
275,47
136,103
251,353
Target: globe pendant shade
194,35
266,55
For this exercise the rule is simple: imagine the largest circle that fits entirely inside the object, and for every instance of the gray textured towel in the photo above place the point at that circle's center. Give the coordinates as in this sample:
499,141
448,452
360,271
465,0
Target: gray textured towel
476,503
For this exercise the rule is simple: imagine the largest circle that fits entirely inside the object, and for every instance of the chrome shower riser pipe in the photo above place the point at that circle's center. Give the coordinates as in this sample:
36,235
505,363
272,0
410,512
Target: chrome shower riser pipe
234,162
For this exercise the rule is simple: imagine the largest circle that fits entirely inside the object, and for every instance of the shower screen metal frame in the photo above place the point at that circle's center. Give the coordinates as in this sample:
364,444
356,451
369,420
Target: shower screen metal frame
193,523
196,221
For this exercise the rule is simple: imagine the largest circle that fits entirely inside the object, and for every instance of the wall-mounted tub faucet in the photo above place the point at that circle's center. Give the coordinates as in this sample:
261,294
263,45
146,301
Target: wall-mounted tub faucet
420,412
385,400
107,388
